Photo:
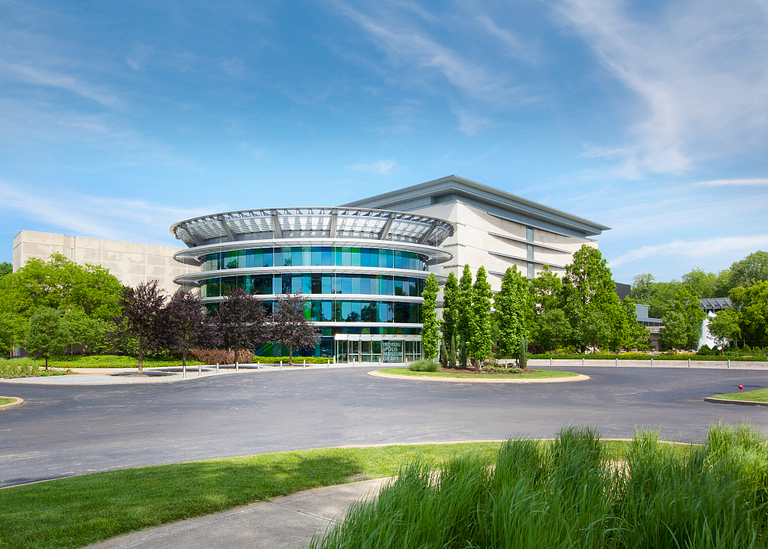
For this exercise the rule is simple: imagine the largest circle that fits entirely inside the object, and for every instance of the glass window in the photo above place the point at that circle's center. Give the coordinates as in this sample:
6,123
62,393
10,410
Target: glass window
529,234
228,284
287,284
336,305
337,256
287,257
355,285
365,284
346,257
398,259
296,284
369,311
346,311
365,257
230,260
387,261
316,257
355,257
531,271
317,310
327,310
399,286
346,283
317,284
337,284
270,259
241,259
277,285
354,316
306,284
327,284
297,256
530,252
327,256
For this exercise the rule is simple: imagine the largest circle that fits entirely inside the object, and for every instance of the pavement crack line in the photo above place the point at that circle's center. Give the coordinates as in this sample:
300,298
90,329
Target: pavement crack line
305,513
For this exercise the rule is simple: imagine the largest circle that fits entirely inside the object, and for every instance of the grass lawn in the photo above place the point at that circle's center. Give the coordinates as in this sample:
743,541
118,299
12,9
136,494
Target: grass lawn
112,361
760,395
5,400
538,374
77,511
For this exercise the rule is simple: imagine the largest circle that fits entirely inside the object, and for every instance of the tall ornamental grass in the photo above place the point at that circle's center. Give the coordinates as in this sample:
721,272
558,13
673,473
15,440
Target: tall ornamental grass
18,367
568,494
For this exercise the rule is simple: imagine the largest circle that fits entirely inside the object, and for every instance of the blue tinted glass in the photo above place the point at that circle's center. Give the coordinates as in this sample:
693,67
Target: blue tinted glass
250,258
327,256
327,287
356,311
346,257
337,284
373,258
365,255
327,314
287,284
355,284
297,256
365,285
287,257
337,253
306,255
317,284
277,284
388,261
398,259
296,284
268,258
316,257
399,286
346,310
355,257
306,284
346,284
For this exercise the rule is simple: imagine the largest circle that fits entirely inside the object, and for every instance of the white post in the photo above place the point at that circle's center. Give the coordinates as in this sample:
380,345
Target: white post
237,366
281,364
583,360
729,362
305,363
184,370
550,362
651,362
334,360
617,362
258,365
199,369
689,362
217,367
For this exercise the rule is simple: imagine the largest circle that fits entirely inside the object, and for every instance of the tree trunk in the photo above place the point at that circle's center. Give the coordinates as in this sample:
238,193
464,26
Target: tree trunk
141,355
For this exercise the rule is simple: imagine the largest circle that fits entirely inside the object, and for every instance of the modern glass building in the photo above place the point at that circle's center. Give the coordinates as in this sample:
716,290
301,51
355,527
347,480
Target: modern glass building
363,270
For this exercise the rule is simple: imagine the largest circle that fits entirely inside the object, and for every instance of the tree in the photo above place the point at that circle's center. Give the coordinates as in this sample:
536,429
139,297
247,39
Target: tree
240,322
554,328
752,302
142,310
92,333
291,326
633,336
674,333
595,331
514,307
7,334
464,325
449,323
46,334
700,283
430,334
642,288
186,325
547,290
724,327
480,341
588,287
750,270
687,304
5,268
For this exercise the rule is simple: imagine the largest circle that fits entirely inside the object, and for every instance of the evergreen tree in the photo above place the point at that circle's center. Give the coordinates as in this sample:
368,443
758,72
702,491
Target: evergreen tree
480,340
513,304
464,318
430,334
450,321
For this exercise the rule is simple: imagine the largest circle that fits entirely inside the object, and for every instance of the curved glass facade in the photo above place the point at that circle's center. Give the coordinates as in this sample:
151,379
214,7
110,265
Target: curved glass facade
363,272
313,256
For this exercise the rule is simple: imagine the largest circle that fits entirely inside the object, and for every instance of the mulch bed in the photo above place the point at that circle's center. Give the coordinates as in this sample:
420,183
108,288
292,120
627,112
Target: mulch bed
494,371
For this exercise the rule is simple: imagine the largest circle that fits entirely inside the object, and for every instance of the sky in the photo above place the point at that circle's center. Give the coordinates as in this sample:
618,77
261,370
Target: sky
118,119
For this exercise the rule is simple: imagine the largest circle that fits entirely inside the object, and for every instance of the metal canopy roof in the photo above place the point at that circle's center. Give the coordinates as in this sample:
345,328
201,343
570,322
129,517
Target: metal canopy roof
312,223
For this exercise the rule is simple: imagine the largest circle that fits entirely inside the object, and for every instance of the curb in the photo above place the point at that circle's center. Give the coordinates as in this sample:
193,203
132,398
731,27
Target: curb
580,377
17,402
742,402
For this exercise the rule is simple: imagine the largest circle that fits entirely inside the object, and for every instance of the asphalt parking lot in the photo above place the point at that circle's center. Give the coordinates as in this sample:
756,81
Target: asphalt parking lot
72,430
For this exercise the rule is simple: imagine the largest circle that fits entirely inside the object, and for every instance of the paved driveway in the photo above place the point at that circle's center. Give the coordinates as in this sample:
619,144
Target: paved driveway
71,430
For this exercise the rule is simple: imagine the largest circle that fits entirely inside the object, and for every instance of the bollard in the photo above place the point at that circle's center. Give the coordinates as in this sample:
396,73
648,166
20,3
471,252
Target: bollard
334,360
550,362
217,367
305,363
583,361
237,366
729,362
184,371
617,362
651,362
689,362
199,369
281,364
258,365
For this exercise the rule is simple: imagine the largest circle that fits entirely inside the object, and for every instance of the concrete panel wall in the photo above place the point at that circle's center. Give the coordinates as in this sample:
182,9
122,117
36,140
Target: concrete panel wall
131,263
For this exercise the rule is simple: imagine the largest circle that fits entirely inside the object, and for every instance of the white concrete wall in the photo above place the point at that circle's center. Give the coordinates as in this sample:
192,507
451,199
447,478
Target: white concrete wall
471,243
131,263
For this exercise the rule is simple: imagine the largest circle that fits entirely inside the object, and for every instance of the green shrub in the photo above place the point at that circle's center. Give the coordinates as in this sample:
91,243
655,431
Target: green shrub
424,366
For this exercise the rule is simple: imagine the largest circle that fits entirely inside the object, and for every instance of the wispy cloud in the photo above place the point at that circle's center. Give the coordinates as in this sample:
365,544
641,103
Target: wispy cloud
469,124
95,216
696,249
48,78
700,70
379,167
759,182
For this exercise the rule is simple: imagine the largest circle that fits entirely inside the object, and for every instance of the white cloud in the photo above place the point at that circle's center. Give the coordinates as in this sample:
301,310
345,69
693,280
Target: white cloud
94,216
379,167
695,249
42,77
470,124
140,53
699,68
759,182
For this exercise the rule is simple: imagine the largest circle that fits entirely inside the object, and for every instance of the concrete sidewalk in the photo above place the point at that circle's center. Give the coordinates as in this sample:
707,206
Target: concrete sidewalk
285,522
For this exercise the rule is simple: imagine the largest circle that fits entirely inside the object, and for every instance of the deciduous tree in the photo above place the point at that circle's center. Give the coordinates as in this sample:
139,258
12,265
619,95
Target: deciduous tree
241,323
291,326
46,334
141,319
186,325
724,327
450,321
753,320
465,325
553,328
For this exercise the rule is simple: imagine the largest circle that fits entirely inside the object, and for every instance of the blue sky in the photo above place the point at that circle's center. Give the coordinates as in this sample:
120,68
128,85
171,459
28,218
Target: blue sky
119,118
